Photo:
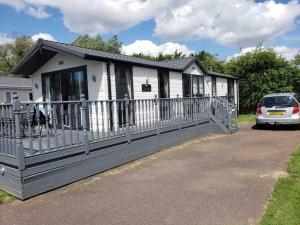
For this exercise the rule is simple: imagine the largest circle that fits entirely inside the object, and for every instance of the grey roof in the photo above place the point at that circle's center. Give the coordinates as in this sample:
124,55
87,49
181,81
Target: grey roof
17,82
33,60
221,74
178,64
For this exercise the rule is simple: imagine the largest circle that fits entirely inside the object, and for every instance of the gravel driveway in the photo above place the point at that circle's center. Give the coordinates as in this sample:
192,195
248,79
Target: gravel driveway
215,179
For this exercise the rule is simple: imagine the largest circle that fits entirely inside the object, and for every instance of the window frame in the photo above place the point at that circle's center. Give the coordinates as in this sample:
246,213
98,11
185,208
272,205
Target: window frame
200,80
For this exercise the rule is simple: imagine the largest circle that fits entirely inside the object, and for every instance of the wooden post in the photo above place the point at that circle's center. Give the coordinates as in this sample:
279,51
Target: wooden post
157,115
127,118
18,136
84,123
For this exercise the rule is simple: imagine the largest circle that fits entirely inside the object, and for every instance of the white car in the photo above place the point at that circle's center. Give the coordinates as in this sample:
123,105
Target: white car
279,108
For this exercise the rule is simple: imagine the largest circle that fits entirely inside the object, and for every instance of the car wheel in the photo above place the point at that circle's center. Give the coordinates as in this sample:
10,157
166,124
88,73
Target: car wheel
259,126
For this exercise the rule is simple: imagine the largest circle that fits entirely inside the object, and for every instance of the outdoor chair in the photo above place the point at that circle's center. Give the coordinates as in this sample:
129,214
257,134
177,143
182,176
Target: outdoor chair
43,119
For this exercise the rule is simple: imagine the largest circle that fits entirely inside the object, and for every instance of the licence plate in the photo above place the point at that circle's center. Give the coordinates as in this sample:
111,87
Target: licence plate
276,113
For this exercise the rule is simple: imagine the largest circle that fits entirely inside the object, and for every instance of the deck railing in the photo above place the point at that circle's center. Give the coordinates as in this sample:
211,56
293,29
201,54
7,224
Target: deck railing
32,129
225,113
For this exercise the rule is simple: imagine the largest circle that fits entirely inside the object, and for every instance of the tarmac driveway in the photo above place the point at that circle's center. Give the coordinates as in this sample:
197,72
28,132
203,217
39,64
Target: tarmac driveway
216,179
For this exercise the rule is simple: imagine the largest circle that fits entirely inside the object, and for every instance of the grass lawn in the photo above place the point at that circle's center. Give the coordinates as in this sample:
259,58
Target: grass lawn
5,198
284,206
247,118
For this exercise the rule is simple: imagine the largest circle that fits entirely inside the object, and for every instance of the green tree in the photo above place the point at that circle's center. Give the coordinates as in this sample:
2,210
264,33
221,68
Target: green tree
296,60
211,62
112,45
12,52
261,72
161,56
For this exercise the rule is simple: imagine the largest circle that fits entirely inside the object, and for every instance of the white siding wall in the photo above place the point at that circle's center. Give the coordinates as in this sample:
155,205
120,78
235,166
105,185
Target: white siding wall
140,75
236,92
194,69
175,84
207,86
96,90
23,94
221,86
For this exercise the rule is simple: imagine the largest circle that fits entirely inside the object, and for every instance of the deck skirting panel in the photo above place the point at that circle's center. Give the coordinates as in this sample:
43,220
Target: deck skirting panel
72,169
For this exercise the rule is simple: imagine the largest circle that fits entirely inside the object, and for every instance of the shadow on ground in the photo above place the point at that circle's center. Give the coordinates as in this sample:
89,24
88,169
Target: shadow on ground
276,127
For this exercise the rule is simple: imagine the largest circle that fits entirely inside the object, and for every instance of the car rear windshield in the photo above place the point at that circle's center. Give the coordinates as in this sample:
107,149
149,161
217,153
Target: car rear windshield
277,101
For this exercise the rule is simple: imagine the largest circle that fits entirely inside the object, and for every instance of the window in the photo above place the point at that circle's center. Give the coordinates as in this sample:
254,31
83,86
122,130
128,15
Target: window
214,86
186,82
230,90
8,97
64,85
198,86
30,96
277,101
193,85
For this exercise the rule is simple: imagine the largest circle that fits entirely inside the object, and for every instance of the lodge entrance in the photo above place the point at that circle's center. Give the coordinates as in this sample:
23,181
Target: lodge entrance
64,85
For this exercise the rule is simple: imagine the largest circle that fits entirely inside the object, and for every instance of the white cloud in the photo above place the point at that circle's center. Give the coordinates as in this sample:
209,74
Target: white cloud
33,8
149,48
4,38
44,36
284,51
240,23
288,53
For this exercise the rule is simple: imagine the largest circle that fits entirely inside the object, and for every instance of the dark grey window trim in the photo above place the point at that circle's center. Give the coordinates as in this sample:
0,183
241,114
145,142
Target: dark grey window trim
191,83
72,69
131,72
168,73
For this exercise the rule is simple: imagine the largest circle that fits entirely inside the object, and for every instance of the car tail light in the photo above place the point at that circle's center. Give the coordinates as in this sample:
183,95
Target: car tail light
296,108
258,110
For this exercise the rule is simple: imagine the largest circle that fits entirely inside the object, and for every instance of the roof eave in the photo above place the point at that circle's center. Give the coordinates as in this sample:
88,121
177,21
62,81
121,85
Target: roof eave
42,44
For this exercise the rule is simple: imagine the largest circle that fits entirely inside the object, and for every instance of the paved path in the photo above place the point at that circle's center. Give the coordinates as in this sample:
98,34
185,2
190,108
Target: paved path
217,179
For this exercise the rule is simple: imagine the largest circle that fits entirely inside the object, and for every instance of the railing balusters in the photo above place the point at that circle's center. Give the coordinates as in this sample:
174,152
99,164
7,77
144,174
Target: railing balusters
70,123
29,124
90,106
108,119
62,115
40,129
76,122
102,121
47,116
117,117
97,120
54,121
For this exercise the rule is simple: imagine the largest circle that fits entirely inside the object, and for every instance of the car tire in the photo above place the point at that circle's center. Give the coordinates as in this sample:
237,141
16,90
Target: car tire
259,126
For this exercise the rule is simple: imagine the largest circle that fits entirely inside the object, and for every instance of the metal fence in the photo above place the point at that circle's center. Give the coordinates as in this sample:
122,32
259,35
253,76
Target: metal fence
34,128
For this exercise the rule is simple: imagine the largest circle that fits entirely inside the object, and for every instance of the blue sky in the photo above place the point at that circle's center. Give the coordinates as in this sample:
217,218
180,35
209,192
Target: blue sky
217,27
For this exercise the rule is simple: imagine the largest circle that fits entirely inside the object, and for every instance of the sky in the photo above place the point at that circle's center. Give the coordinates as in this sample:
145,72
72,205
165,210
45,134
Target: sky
225,28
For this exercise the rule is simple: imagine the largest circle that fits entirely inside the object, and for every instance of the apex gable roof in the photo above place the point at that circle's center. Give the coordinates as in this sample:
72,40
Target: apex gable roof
44,50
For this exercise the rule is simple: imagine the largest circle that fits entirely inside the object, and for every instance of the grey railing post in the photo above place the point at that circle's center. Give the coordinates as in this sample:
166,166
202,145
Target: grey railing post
229,111
127,118
157,114
180,116
19,145
84,106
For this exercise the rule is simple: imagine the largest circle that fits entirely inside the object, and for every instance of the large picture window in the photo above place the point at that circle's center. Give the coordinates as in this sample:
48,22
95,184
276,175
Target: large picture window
64,85
193,85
